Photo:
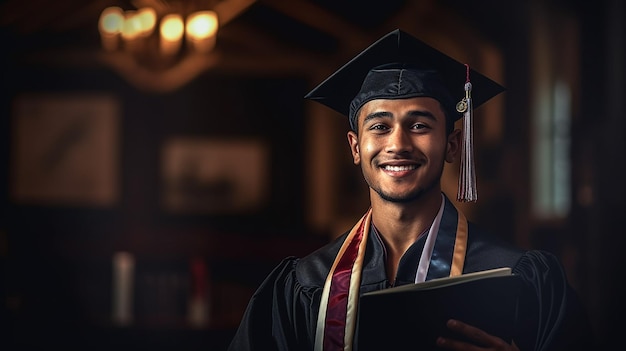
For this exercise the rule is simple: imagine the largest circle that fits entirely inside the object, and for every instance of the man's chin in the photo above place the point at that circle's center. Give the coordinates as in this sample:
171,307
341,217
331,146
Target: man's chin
402,197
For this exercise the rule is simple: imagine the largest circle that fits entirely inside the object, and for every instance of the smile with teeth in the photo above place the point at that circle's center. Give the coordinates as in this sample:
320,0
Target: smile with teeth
399,168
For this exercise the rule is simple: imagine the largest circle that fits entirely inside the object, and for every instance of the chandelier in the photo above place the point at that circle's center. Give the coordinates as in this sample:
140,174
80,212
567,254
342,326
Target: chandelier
160,46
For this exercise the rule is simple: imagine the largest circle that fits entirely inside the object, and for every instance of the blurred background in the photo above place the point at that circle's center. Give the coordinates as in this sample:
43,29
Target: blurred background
158,159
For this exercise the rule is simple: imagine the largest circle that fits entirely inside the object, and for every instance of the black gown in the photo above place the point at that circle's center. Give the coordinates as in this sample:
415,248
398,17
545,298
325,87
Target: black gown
282,313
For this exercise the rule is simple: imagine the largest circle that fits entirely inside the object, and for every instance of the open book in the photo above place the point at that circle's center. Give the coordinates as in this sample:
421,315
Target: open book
413,316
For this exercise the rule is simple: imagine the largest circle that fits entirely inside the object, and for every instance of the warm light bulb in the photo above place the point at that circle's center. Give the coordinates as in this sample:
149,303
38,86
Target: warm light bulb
132,25
201,30
146,18
202,24
172,27
111,21
110,25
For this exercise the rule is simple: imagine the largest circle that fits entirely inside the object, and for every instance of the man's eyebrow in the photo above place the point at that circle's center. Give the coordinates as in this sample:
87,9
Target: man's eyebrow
379,114
412,113
422,113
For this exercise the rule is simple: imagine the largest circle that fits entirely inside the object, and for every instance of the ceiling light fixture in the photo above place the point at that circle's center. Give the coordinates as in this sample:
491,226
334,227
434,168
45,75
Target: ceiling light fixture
160,48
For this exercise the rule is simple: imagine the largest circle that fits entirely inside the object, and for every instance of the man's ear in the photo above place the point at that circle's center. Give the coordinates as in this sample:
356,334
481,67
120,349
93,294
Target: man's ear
353,141
453,148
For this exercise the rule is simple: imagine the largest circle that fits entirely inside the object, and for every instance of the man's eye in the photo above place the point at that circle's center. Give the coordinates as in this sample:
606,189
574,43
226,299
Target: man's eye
378,127
420,126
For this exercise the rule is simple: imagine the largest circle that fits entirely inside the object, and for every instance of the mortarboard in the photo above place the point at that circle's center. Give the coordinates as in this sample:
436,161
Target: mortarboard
399,66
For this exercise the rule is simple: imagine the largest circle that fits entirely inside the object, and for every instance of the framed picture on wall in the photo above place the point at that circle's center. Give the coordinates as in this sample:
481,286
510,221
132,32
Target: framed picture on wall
65,149
212,176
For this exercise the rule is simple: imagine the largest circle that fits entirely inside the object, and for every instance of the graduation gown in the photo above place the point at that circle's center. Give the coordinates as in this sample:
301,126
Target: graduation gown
282,314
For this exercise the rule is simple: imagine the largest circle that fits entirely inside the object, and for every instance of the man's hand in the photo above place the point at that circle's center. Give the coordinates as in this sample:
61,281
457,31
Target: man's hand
478,336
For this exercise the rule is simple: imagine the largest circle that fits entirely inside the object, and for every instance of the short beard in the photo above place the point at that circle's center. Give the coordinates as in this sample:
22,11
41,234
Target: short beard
406,198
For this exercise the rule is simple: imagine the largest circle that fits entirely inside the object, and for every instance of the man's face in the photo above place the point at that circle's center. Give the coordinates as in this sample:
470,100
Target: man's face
401,147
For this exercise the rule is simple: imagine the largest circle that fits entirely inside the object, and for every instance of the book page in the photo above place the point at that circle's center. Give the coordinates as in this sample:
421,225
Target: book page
438,282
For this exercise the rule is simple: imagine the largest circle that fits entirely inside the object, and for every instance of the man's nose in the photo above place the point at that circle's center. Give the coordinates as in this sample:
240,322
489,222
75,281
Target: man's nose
399,141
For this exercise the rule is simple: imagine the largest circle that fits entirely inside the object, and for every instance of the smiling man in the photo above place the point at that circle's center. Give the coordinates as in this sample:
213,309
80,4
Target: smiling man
401,146
402,98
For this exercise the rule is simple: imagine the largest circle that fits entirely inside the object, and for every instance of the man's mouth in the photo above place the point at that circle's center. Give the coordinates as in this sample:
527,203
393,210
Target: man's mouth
399,168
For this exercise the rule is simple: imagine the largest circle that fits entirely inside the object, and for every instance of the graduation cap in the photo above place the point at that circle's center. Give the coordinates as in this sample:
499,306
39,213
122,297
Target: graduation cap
399,66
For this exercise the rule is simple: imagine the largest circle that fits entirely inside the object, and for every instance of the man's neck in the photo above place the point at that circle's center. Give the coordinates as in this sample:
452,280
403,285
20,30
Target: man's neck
401,224
405,221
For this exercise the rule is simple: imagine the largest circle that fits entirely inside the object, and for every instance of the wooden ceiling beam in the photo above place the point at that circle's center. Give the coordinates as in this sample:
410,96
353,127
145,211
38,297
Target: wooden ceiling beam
350,37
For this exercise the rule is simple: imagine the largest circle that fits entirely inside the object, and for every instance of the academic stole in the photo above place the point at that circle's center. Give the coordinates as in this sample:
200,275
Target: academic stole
336,321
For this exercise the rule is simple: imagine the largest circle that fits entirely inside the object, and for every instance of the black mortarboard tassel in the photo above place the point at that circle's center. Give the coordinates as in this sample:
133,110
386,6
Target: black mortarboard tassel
399,66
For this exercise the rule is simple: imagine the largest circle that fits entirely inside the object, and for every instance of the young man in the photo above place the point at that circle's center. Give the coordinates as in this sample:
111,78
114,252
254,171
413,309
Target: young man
402,98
